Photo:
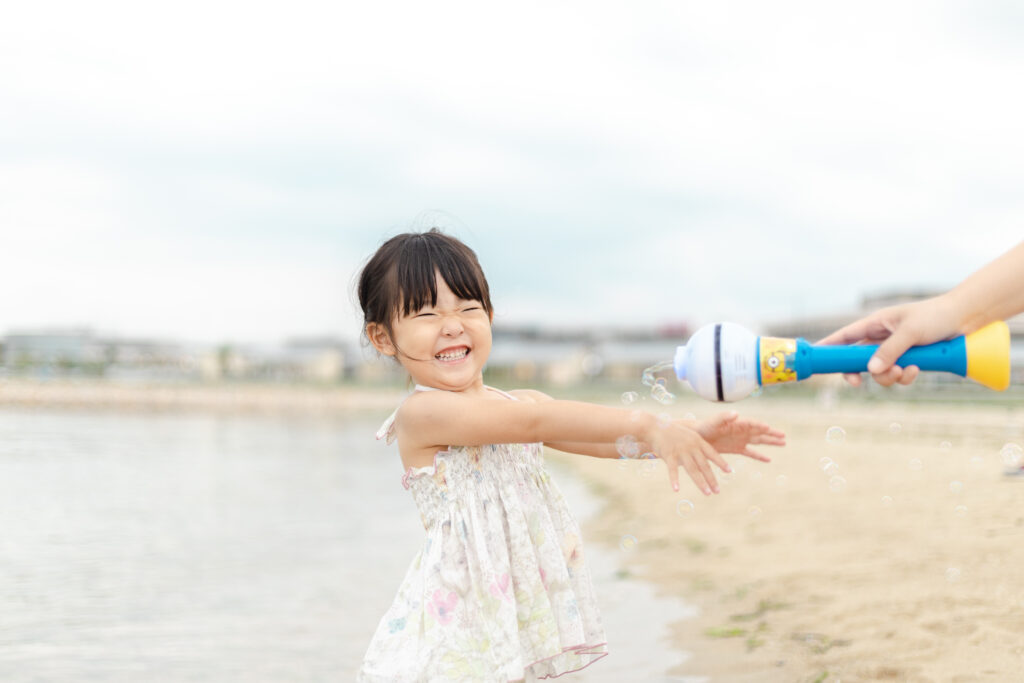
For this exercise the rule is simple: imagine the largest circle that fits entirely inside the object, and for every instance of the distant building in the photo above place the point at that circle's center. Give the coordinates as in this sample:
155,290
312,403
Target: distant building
81,352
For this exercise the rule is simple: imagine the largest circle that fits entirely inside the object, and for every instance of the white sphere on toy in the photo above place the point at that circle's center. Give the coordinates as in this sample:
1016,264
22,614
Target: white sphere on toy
719,362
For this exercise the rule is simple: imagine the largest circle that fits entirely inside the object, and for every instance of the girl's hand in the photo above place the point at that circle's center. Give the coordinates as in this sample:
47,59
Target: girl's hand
681,446
727,433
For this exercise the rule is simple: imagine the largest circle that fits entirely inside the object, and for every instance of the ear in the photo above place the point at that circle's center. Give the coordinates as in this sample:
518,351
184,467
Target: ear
378,336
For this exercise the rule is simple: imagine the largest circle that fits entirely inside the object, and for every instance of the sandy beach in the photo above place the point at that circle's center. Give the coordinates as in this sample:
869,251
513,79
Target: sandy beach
883,543
904,568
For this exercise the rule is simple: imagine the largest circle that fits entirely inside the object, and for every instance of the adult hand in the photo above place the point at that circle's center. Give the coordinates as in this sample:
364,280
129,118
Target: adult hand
898,328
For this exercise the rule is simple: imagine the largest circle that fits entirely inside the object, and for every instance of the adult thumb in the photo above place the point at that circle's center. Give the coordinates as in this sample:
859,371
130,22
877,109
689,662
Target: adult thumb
890,350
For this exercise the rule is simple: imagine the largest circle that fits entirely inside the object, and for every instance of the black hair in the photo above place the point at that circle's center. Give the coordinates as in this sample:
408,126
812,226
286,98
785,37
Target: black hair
399,278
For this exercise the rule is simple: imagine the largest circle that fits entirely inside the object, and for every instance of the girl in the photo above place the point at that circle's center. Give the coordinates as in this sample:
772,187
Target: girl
499,591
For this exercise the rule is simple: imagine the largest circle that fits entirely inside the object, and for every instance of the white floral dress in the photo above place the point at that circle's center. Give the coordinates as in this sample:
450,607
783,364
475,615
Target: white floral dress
499,590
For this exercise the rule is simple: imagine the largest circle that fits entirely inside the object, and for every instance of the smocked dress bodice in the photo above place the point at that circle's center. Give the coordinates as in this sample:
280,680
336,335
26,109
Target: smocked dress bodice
499,590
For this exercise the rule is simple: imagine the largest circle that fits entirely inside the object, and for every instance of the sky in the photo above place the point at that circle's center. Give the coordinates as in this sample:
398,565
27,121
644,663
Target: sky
218,172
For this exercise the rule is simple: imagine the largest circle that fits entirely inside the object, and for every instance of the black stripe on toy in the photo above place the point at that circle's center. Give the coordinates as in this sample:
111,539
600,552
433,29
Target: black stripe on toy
718,361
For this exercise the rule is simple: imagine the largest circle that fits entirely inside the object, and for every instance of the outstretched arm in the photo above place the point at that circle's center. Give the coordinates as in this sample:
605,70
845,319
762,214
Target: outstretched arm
435,419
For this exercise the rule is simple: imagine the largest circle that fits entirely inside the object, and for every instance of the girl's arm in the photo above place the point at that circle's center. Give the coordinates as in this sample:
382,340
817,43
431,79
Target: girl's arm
436,419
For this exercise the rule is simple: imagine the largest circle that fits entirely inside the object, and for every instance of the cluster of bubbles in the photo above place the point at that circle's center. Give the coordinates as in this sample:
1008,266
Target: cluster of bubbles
627,446
659,390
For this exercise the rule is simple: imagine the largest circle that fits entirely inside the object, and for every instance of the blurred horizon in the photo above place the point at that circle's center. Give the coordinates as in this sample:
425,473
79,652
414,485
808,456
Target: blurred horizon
218,174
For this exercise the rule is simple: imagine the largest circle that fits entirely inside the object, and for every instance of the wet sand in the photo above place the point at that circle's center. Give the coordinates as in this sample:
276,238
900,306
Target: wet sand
906,569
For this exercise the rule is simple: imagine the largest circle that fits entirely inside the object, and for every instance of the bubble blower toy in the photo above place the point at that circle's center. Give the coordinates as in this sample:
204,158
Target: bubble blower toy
725,362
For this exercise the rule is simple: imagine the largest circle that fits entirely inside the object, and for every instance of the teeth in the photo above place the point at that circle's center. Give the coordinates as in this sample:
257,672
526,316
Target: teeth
452,355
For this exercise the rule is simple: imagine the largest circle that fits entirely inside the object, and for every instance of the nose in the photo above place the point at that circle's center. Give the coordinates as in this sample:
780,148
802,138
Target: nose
451,327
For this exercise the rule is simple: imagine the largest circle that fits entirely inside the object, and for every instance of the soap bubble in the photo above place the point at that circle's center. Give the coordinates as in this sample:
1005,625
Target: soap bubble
662,395
956,487
758,391
781,480
835,435
945,445
627,543
630,397
837,484
647,468
952,575
647,377
754,512
627,446
895,427
887,501
824,461
689,416
960,511
623,462
977,461
684,508
831,469
915,464
1011,454
664,420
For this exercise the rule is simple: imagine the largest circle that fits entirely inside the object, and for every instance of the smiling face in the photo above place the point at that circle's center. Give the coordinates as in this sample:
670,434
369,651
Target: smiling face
443,344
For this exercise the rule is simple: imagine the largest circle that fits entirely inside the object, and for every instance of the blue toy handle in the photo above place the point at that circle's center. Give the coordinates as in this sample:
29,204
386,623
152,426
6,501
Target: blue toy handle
947,356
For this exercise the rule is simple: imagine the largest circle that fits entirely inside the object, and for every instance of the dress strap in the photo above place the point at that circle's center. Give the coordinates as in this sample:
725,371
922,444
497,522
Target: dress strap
387,430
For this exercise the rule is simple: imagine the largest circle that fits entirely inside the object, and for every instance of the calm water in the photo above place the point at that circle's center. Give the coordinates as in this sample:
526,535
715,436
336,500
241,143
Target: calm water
212,548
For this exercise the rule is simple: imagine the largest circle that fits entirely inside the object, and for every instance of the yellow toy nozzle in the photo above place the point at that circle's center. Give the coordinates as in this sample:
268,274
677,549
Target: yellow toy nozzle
988,355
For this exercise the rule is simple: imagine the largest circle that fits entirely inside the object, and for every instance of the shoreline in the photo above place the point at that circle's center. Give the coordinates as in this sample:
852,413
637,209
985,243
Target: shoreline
220,398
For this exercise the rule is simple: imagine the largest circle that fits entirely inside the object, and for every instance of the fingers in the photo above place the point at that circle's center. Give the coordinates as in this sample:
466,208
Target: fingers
910,373
891,349
770,439
852,378
849,334
690,465
721,462
751,453
889,377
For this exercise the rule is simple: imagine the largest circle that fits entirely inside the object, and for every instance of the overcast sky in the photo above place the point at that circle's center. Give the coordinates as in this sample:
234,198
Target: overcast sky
218,172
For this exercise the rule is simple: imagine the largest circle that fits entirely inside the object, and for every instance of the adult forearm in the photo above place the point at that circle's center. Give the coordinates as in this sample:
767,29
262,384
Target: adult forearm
995,292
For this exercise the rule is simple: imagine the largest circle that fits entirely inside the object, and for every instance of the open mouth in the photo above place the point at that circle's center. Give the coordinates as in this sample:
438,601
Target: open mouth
453,355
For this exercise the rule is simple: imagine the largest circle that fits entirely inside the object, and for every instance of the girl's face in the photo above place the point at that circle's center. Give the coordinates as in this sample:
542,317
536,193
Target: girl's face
444,346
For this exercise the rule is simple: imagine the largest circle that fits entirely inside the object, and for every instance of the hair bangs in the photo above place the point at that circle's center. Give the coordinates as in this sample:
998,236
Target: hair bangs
417,269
